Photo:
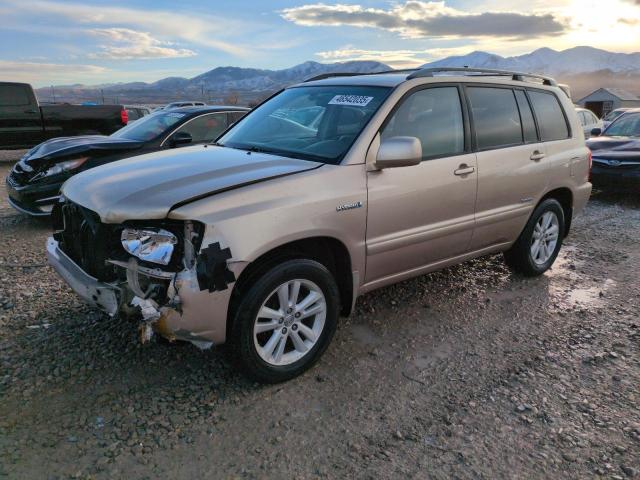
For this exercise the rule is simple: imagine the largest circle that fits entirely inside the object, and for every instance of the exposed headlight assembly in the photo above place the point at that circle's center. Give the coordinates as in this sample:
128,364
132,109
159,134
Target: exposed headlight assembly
61,167
150,245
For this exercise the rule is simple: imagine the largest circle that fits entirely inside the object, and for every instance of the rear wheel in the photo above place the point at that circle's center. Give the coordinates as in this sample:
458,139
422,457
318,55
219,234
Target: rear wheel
539,243
285,320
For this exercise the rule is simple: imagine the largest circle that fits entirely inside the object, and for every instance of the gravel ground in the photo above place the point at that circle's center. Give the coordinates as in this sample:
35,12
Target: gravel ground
466,373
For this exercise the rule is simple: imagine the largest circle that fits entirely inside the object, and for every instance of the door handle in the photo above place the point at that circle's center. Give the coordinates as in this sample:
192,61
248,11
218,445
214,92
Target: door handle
464,169
537,156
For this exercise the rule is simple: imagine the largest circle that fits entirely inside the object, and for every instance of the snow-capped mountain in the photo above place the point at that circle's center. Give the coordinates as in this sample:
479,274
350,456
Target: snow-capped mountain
545,60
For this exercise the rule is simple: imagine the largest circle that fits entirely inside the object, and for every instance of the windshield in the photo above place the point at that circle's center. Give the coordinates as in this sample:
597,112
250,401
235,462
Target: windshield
149,127
314,123
626,126
611,116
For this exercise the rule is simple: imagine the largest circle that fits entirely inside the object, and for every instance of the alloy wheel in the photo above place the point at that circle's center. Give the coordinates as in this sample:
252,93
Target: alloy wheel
545,238
290,322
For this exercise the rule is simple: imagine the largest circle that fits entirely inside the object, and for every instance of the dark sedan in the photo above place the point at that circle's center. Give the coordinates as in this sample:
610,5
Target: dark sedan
34,183
616,152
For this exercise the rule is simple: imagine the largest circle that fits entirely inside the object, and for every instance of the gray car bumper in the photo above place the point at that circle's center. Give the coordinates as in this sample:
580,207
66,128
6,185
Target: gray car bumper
98,294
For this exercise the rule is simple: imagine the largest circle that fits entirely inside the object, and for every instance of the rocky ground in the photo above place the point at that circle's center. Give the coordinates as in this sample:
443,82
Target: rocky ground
466,373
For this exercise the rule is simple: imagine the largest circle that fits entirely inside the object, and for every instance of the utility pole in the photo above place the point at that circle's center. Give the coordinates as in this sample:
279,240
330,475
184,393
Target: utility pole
102,92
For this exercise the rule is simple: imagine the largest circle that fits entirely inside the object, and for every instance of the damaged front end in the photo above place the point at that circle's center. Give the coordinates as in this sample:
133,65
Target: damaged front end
154,271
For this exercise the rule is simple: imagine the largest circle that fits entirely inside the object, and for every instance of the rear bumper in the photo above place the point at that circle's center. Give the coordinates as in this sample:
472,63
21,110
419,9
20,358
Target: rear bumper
98,294
581,196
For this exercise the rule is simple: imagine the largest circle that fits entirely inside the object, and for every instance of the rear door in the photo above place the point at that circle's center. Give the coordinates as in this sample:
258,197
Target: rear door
511,162
423,214
20,119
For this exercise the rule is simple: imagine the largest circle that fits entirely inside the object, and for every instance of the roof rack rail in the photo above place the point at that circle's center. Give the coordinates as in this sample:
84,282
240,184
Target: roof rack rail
324,76
518,76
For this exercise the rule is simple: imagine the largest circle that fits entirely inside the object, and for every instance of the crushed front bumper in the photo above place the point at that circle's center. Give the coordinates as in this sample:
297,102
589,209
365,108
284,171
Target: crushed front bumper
190,313
36,201
102,295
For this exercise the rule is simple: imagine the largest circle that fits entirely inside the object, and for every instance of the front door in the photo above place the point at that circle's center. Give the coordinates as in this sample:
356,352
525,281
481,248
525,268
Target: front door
423,214
20,121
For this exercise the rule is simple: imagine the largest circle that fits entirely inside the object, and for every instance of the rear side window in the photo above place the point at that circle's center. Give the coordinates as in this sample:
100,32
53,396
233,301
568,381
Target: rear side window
205,128
13,95
235,116
526,116
495,117
434,116
551,119
133,114
583,122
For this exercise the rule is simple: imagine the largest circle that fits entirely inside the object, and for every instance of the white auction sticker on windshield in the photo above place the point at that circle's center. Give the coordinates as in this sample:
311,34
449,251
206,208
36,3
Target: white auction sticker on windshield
351,100
176,115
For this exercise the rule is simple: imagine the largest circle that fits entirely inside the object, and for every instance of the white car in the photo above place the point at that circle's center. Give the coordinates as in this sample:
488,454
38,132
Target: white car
589,121
613,115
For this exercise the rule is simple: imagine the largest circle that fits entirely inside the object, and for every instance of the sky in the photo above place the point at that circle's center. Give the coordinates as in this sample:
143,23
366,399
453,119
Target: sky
47,42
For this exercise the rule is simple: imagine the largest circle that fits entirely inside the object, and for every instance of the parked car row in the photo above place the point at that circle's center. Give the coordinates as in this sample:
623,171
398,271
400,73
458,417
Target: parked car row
330,189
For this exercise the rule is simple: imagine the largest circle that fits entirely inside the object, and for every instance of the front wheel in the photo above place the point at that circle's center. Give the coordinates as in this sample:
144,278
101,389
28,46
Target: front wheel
539,243
285,320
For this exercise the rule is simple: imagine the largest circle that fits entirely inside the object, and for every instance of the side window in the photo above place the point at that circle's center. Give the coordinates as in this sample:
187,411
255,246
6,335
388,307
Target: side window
526,116
551,120
434,116
592,118
584,119
235,116
495,117
133,114
13,95
206,128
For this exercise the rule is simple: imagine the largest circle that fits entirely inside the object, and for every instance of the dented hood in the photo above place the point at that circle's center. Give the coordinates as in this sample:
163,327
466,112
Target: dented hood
620,148
149,186
63,148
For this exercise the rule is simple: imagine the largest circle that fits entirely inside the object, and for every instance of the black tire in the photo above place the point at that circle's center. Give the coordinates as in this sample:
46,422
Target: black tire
241,337
519,257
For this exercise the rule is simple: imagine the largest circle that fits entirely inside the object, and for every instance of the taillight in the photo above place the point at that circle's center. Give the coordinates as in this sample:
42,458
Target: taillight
590,163
124,116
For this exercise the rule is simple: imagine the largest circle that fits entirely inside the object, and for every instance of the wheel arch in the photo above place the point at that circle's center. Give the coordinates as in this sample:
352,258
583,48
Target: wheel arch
565,197
329,251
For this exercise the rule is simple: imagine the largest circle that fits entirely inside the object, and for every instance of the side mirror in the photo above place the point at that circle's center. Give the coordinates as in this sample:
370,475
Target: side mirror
399,152
596,132
180,138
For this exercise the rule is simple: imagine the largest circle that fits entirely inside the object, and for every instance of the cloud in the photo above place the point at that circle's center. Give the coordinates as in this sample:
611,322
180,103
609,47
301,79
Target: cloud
203,30
418,19
131,44
53,72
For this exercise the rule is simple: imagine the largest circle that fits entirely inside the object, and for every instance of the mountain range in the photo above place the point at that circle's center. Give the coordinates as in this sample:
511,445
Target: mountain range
215,86
573,61
583,68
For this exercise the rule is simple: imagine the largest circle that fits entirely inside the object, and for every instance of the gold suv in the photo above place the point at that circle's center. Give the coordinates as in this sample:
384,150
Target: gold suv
329,189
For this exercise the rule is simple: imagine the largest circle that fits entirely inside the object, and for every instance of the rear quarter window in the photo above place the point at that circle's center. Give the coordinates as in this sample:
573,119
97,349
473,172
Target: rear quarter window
13,95
551,119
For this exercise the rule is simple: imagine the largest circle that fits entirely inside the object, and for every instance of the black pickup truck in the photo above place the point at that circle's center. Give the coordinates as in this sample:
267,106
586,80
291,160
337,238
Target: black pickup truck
24,123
